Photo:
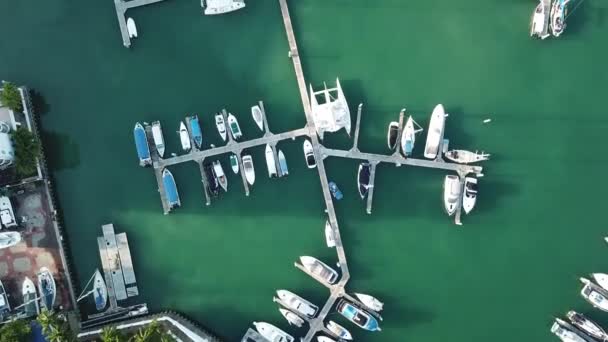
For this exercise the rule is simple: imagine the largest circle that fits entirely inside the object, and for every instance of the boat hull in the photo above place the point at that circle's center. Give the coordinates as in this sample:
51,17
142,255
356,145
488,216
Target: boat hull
184,137
339,330
220,124
391,136
451,194
363,179
309,155
329,235
234,163
470,194
370,301
256,113
297,303
283,164
271,164
249,169
196,132
272,333
359,317
159,140
141,144
171,189
28,291
46,288
320,269
235,129
408,137
220,175
435,133
9,239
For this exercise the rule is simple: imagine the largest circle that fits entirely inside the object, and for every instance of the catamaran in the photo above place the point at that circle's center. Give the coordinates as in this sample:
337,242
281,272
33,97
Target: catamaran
46,288
329,235
195,130
363,179
339,330
171,189
451,193
360,317
270,162
184,137
566,332
219,175
256,113
594,294
319,269
30,298
131,28
408,137
435,133
292,318
297,303
220,124
141,143
309,155
558,17
538,21
234,163
213,7
159,140
587,326
370,301
466,157
332,114
248,169
283,164
391,136
470,194
9,239
235,129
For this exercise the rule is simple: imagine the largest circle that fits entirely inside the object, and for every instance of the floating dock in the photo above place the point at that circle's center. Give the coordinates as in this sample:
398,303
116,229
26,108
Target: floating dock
121,9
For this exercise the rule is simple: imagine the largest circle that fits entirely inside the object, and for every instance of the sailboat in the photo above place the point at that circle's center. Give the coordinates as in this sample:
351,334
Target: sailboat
248,169
99,291
408,137
435,133
184,137
566,332
329,235
256,113
195,131
235,129
9,239
333,114
141,144
220,124
283,164
30,298
270,162
234,163
219,174
586,325
466,157
46,288
594,294
391,136
171,189
159,140
292,318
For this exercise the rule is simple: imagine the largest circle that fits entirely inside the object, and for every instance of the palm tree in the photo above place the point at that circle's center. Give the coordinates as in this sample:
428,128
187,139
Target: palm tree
10,96
110,334
152,332
54,328
17,330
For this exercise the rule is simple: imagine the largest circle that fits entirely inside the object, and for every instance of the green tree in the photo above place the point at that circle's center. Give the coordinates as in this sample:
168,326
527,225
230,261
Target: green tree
153,332
54,327
110,334
10,97
27,150
17,330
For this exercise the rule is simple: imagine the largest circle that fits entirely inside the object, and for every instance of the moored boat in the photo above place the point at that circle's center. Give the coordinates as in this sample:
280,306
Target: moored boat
408,137
272,333
283,164
435,133
309,155
329,235
594,294
213,186
339,330
537,25
333,114
324,339
601,279
470,194
9,239
131,28
270,162
363,179
214,7
370,301
234,163
360,317
171,189
141,144
5,306
46,288
335,191
586,325
218,171
100,291
320,269
451,193
566,332
220,124
248,169
466,157
297,303
159,140
391,136
256,113
235,129
195,131
184,137
30,300
292,318
558,17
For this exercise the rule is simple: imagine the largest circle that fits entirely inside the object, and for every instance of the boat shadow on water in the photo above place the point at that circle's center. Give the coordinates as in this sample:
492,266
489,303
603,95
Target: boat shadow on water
581,16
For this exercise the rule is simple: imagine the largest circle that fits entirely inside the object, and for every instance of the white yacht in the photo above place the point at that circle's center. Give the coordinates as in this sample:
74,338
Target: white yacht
332,114
391,136
184,137
601,279
309,155
9,239
131,28
297,303
235,129
594,294
470,194
214,7
292,318
435,133
329,235
30,300
248,169
369,301
256,113
339,330
466,157
320,269
451,193
270,162
566,332
218,171
220,124
586,325
408,137
538,21
272,333
159,140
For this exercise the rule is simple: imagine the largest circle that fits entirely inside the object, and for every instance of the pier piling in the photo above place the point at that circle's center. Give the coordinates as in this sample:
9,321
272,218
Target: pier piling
372,180
357,125
398,149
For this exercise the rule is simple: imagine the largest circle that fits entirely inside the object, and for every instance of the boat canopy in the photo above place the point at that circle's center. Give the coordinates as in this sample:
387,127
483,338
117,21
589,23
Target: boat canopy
170,188
143,152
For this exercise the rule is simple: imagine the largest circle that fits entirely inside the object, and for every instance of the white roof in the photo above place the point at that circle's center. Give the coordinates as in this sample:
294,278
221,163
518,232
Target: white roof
7,152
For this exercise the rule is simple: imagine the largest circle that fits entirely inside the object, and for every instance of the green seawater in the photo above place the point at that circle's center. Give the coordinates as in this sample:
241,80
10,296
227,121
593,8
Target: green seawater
501,277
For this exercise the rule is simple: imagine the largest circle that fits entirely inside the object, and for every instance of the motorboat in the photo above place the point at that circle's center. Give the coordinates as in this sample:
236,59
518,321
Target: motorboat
371,302
391,136
220,125
594,294
435,133
335,191
256,113
234,163
319,269
466,157
586,325
283,164
601,279
538,21
235,129
451,193
360,317
248,169
218,171
324,339
270,162
214,7
30,298
297,303
141,143
332,114
339,330
131,28
292,318
159,140
566,332
408,137
309,155
5,306
329,235
9,239
100,291
272,333
46,288
558,17
363,179
171,189
470,194
184,137
213,186
195,131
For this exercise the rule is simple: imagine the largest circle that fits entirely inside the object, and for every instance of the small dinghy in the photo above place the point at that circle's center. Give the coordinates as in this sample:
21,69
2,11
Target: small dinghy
601,279
335,191
248,169
131,28
408,137
324,339
339,330
184,137
566,332
195,130
46,288
159,140
320,269
141,144
466,157
272,333
235,129
9,239
256,113
221,125
309,155
297,303
359,317
5,306
370,302
363,179
329,235
218,171
586,325
171,189
594,294
391,136
270,162
292,318
470,194
30,300
451,193
283,164
234,163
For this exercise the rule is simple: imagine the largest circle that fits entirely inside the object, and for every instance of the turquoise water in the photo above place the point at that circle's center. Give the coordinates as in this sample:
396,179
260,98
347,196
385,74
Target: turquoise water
502,276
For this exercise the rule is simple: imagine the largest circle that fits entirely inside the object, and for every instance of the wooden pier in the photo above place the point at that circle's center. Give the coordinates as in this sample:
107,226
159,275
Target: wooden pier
121,9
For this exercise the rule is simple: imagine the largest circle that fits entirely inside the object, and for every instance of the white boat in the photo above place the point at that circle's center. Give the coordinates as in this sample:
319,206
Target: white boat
283,164
391,135
408,137
256,113
370,302
324,339
470,194
220,124
159,140
9,239
272,333
5,306
234,163
594,294
332,114
46,288
601,279
329,235
292,318
184,137
466,157
451,193
297,303
100,291
218,171
248,169
30,300
558,17
586,325
214,7
363,179
435,133
319,268
339,330
235,129
538,22
270,162
309,155
131,28
566,332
